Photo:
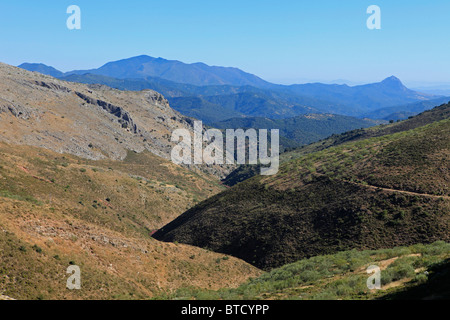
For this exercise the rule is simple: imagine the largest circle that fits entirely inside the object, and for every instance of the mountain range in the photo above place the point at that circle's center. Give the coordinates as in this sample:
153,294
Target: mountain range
216,93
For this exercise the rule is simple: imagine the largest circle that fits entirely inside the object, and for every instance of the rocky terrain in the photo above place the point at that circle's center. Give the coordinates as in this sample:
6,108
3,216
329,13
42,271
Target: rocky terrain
90,121
85,179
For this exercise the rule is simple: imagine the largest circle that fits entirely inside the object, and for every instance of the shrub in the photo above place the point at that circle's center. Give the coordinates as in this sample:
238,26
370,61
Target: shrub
398,272
421,278
37,249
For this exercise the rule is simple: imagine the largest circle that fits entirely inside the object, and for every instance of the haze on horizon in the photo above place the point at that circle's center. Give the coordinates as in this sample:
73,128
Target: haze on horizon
279,41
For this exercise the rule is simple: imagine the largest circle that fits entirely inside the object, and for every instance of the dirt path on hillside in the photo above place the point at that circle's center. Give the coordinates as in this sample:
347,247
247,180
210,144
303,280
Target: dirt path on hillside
398,191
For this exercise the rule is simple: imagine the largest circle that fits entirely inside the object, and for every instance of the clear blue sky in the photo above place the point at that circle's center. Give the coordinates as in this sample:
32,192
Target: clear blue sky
281,41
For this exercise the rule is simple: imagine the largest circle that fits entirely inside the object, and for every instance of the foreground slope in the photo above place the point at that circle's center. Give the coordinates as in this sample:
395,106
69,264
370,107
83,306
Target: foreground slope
60,210
85,180
375,193
415,272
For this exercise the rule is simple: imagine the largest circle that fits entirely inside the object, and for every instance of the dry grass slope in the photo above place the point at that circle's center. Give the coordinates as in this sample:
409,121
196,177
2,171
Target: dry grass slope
57,210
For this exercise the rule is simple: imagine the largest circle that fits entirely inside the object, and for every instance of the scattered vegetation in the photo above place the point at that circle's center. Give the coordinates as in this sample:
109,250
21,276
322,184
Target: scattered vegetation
389,190
342,276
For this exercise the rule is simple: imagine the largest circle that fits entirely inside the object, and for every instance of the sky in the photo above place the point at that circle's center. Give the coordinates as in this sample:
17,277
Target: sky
281,41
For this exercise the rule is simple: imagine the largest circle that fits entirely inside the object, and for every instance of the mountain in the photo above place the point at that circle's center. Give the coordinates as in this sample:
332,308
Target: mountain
165,87
230,89
42,68
200,108
199,74
90,121
381,192
428,117
215,103
388,93
406,111
264,104
212,109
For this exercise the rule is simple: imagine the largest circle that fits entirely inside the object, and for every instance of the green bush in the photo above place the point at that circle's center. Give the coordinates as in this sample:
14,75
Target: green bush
37,249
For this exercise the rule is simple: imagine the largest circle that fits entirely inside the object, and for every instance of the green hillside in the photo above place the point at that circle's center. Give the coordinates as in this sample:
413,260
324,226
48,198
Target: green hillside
300,130
415,272
381,192
436,114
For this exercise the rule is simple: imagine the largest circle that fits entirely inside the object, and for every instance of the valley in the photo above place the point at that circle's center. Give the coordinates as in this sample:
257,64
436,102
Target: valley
331,200
86,179
224,159
58,210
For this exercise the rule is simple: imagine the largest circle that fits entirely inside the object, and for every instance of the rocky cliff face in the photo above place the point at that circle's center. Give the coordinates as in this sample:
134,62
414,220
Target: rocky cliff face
93,121
90,121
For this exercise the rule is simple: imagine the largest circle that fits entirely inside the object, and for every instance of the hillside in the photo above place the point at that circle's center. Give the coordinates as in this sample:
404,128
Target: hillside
84,180
87,120
300,130
436,114
94,122
199,108
58,210
427,117
375,193
416,272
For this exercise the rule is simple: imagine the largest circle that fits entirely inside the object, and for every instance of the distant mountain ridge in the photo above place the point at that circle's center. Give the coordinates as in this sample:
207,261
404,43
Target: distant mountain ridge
144,66
220,93
42,68
403,112
389,92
